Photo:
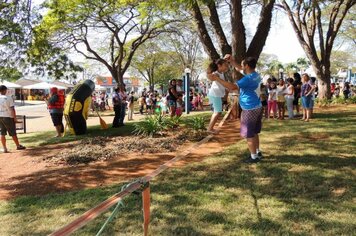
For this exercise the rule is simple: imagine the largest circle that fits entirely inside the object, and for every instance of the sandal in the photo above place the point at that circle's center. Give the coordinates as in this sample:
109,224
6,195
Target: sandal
20,147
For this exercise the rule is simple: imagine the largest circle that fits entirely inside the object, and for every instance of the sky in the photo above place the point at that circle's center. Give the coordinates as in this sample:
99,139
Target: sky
282,41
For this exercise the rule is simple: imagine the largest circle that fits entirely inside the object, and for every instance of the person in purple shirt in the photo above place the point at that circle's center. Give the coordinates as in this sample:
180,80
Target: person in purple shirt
251,115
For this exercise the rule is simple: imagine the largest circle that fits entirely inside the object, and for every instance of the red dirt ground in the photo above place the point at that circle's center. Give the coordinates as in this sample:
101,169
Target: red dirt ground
25,172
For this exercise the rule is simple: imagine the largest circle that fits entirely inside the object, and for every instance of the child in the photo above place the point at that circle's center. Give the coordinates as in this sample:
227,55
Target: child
179,105
289,95
263,98
306,91
272,100
280,99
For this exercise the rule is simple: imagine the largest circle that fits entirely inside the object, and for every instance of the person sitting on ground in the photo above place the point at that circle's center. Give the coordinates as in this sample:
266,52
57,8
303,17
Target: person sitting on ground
8,119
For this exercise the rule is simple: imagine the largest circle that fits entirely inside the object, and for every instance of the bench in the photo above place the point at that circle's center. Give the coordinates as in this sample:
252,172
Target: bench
21,123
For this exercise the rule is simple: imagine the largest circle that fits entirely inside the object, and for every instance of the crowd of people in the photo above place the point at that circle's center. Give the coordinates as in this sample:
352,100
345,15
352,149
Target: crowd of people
277,95
172,103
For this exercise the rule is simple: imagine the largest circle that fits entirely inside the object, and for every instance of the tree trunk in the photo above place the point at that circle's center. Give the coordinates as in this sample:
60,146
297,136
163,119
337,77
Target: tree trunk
238,31
203,33
215,22
324,81
264,25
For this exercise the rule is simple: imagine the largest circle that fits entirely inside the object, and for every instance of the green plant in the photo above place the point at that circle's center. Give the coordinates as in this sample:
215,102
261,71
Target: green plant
172,122
150,126
323,102
197,123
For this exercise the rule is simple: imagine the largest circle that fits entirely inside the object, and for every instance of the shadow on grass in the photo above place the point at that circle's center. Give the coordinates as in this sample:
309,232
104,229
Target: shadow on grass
286,194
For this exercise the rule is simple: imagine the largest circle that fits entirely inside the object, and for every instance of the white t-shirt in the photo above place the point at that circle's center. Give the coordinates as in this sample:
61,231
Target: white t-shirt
280,90
217,89
148,101
272,94
6,102
289,90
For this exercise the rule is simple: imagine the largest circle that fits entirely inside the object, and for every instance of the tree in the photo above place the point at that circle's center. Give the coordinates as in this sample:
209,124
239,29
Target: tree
238,46
109,32
264,60
303,63
340,60
274,67
318,22
155,65
186,45
15,35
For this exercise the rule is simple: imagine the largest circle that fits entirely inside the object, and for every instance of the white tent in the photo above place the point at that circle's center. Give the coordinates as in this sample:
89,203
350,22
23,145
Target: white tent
98,87
43,85
10,85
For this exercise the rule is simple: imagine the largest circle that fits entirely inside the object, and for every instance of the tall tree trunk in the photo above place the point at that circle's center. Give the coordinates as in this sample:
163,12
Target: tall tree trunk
203,33
238,31
263,27
324,81
215,22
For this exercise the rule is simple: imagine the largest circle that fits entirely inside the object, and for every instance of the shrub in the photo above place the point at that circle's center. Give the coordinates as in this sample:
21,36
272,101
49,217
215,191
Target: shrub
172,122
197,123
150,126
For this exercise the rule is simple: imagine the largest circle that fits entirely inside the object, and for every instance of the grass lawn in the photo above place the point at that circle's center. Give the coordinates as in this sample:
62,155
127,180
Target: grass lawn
304,186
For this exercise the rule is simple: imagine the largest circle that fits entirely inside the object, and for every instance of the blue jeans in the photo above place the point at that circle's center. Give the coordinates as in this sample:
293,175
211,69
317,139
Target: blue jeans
122,113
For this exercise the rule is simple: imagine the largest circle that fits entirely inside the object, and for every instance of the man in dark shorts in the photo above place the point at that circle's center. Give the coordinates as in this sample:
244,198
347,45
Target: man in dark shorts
56,106
251,115
8,119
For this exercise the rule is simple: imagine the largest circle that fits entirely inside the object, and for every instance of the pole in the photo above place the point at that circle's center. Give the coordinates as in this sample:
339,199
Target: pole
187,88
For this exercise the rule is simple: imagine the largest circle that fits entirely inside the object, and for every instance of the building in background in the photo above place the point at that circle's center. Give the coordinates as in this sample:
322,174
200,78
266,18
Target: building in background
107,82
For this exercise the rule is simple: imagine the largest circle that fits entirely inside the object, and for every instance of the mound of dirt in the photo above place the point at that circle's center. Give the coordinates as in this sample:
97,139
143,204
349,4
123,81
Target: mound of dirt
105,148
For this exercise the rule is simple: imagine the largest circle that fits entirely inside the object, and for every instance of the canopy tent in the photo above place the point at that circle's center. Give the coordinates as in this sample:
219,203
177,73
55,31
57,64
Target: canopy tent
98,87
11,85
43,85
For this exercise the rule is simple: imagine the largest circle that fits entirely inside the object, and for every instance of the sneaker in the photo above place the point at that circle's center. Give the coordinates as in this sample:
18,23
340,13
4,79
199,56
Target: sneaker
250,160
5,150
20,147
260,156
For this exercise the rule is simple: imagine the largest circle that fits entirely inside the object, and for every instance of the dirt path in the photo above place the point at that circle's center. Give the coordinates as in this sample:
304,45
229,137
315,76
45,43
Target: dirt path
25,172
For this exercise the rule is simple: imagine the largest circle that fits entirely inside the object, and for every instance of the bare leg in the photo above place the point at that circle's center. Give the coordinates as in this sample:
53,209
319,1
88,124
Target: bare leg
16,141
59,129
213,120
252,145
257,141
307,114
3,142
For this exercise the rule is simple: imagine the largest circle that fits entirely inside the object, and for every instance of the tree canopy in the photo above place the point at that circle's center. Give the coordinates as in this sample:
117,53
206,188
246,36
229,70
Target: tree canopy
317,23
109,32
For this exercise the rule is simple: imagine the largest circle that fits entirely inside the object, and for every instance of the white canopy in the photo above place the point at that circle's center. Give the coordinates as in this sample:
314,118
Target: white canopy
43,85
10,85
98,87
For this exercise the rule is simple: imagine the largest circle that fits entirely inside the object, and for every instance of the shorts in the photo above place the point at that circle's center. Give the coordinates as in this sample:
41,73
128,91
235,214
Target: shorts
306,102
296,102
57,118
217,103
172,103
7,125
264,103
251,122
281,98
